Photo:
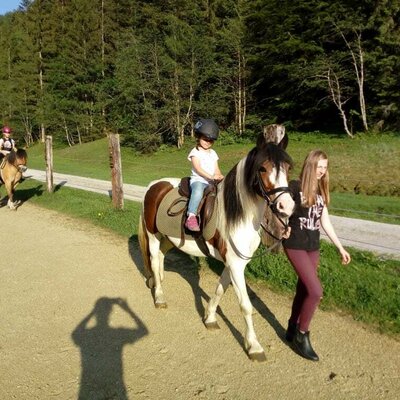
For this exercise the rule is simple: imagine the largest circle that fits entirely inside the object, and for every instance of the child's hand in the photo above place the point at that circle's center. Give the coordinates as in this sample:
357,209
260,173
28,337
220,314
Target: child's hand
218,177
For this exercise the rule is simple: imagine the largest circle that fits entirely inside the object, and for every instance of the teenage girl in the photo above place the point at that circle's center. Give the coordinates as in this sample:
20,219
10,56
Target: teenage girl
311,195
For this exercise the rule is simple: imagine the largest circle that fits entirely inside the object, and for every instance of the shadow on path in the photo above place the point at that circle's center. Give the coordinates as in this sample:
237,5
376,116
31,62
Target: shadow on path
188,268
101,350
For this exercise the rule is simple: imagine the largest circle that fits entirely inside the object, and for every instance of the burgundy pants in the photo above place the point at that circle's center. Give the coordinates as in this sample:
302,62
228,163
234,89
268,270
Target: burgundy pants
309,289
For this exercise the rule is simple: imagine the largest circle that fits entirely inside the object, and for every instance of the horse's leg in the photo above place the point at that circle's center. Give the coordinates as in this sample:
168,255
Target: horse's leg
253,347
10,194
165,246
157,265
210,319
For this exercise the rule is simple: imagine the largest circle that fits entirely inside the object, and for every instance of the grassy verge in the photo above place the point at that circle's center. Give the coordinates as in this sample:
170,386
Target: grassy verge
368,289
365,172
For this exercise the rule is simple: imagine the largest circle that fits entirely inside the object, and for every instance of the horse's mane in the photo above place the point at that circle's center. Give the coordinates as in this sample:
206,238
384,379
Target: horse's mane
20,154
241,183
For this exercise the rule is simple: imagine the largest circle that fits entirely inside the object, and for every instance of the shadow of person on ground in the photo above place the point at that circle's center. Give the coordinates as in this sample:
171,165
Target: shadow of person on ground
189,269
22,195
101,350
267,314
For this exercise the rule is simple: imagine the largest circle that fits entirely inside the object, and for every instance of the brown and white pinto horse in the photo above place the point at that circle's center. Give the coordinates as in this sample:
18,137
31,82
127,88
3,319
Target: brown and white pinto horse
11,168
259,180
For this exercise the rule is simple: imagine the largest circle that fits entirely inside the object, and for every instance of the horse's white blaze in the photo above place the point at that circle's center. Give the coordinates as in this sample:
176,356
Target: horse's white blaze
285,202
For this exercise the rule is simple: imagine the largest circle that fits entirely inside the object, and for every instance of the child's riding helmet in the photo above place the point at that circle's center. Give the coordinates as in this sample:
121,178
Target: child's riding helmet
207,128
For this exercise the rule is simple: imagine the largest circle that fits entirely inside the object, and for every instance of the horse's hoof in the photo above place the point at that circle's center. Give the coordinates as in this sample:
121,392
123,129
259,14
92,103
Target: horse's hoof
150,282
161,305
260,357
212,326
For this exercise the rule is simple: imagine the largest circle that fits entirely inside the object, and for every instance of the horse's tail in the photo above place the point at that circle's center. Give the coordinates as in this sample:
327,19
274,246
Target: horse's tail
144,248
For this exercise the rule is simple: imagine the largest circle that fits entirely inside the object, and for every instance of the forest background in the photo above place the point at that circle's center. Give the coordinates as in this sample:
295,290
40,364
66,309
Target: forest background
78,69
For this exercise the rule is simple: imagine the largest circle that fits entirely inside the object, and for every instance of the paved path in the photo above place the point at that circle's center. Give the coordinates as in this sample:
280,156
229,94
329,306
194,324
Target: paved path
380,238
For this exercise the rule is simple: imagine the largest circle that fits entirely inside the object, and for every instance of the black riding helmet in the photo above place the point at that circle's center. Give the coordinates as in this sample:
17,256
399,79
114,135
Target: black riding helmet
207,128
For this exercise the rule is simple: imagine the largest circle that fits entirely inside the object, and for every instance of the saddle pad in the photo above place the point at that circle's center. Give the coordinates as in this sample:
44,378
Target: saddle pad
171,225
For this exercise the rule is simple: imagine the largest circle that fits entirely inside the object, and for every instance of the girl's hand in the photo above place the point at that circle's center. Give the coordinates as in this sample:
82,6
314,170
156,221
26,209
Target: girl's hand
218,177
345,257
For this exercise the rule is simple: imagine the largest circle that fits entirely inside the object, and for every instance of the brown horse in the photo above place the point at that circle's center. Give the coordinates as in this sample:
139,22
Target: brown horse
11,168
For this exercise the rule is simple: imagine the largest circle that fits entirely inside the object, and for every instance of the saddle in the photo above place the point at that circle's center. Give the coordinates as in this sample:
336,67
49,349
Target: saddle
171,215
206,206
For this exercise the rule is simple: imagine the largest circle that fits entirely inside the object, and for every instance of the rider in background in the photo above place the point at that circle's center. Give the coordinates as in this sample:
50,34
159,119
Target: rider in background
205,169
6,142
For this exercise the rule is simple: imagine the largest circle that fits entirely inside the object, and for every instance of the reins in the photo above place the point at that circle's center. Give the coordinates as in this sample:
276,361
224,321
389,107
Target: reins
266,250
272,204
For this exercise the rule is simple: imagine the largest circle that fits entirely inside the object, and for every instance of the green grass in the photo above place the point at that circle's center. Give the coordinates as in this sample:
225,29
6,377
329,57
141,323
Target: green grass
91,207
368,289
365,171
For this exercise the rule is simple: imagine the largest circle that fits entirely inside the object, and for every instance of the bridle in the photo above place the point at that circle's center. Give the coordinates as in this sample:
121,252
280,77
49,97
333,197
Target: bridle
272,204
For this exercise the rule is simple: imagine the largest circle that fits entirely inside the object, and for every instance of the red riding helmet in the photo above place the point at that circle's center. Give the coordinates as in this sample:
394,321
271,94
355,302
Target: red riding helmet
6,129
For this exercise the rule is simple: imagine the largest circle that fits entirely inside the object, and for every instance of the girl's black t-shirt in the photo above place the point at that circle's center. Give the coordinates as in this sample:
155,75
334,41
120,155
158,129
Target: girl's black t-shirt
305,222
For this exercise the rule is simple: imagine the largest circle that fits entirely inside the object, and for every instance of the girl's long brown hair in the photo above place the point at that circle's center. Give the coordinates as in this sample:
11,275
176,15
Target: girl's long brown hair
310,185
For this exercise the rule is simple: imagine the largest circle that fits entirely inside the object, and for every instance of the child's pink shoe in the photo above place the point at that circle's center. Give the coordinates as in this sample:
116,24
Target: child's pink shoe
192,224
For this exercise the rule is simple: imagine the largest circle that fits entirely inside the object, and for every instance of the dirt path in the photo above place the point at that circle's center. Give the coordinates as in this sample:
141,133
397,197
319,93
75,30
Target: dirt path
54,271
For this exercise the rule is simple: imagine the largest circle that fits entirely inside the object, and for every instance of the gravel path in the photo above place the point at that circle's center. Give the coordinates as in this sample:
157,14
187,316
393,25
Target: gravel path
382,239
65,333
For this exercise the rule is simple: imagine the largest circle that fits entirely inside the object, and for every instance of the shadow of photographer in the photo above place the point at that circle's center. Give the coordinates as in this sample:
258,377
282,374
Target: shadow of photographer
101,350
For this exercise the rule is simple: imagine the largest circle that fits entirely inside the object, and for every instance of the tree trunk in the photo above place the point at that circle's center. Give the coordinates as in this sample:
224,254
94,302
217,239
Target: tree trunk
358,63
336,97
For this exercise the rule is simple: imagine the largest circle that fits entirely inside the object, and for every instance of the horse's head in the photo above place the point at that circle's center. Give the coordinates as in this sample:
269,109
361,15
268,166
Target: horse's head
266,173
18,159
274,133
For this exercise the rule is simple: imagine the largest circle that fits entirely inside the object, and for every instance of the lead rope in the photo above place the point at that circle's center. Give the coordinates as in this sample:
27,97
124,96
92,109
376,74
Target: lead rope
266,250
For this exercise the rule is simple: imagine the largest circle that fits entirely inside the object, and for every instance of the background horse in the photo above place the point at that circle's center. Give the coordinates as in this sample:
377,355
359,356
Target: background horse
11,168
258,181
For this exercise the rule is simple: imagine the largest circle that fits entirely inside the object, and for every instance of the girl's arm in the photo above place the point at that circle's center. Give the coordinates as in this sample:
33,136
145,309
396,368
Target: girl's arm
218,174
330,231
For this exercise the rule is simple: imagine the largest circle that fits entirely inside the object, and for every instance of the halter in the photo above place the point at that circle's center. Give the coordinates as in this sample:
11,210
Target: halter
272,204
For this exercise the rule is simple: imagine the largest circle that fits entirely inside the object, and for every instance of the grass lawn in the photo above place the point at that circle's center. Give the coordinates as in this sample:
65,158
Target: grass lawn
364,172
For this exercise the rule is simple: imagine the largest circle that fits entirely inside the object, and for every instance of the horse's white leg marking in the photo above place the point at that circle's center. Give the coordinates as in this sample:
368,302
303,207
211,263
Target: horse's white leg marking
211,318
12,205
154,247
253,347
165,246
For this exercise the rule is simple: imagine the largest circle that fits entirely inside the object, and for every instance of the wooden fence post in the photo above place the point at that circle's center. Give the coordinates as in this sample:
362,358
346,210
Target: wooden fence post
49,163
116,171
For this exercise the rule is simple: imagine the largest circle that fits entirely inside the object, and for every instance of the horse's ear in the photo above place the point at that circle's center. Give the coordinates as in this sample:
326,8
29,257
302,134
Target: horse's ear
274,133
284,142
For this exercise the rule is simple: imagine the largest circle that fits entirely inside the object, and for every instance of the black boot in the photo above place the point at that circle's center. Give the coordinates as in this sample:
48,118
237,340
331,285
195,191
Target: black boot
291,331
303,346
